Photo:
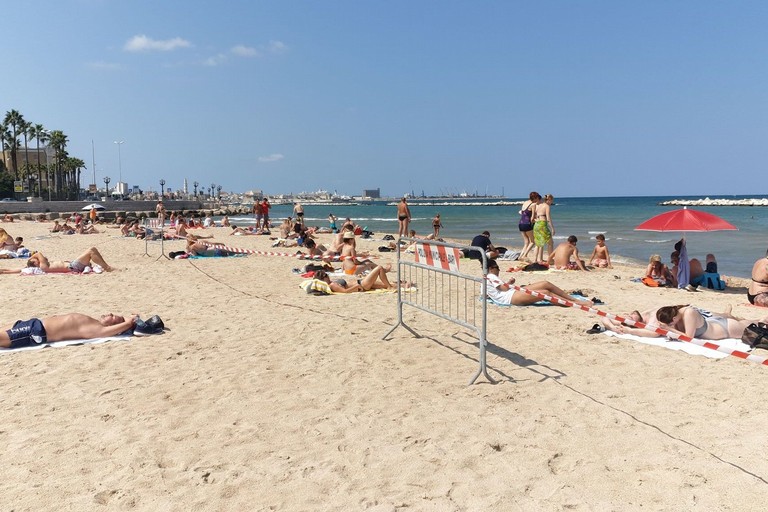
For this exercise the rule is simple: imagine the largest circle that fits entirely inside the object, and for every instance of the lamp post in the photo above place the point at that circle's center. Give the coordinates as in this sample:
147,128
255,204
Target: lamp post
213,189
119,160
218,190
162,188
195,184
106,183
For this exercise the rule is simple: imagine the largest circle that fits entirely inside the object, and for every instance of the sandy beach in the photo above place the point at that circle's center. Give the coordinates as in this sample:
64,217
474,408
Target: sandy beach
261,397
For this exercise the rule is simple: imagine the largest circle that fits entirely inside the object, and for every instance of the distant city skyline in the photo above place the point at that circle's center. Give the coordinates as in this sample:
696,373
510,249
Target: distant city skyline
582,99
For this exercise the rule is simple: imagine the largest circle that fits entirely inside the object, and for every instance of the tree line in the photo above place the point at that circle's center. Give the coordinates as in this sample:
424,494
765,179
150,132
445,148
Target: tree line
62,174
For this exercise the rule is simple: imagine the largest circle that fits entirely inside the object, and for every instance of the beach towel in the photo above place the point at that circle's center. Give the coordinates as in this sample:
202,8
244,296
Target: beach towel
542,302
66,343
688,348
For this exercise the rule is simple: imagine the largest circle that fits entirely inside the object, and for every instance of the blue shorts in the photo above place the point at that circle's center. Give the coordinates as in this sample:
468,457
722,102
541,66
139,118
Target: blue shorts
27,333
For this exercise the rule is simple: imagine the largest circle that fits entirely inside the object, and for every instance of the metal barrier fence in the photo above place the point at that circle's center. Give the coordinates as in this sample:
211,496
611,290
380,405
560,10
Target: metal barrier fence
154,225
443,290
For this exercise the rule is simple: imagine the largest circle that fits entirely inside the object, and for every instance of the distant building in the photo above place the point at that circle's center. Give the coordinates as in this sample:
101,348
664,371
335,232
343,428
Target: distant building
372,193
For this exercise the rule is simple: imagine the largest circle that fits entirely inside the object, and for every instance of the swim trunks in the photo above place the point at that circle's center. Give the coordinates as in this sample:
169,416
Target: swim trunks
402,217
27,333
76,266
751,298
600,262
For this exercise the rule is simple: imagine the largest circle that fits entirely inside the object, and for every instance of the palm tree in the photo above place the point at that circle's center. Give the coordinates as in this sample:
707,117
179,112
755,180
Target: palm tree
58,141
38,132
14,120
25,130
72,167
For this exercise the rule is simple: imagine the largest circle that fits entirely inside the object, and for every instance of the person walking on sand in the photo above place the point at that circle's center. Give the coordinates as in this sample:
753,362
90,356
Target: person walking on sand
525,225
298,211
436,225
258,213
403,217
543,229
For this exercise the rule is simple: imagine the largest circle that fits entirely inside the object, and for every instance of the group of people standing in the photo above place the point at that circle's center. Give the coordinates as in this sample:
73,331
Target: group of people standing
536,226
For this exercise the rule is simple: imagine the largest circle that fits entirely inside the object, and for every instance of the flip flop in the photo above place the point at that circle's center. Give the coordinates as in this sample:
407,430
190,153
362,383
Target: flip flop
596,329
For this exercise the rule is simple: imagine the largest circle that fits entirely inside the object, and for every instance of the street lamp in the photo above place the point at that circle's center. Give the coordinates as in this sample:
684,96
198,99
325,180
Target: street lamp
106,182
119,160
162,188
218,190
213,189
195,184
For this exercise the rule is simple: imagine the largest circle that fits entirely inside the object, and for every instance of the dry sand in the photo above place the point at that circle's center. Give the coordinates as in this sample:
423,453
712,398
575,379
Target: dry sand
261,397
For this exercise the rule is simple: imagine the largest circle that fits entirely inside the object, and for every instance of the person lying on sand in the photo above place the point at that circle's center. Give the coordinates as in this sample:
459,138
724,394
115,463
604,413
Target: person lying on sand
89,258
684,319
376,279
503,293
196,248
71,326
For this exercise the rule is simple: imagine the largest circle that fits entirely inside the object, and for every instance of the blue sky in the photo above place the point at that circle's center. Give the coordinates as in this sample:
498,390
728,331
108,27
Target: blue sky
590,98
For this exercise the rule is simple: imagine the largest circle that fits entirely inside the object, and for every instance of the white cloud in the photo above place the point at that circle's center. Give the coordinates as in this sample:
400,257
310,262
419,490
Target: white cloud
274,157
277,47
244,51
143,43
215,60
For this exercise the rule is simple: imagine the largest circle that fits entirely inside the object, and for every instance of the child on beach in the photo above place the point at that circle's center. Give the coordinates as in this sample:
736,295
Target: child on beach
600,258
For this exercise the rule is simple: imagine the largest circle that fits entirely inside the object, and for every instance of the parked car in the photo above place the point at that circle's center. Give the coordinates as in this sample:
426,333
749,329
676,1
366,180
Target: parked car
8,200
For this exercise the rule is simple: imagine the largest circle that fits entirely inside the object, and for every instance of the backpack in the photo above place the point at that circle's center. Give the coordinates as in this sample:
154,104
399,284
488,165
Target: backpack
713,281
756,335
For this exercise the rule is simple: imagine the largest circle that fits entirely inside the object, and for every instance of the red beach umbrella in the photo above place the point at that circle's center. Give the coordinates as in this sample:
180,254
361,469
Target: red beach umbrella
686,220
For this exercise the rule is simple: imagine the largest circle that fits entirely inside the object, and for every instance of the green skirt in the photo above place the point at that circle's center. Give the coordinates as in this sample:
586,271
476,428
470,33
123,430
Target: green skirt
541,233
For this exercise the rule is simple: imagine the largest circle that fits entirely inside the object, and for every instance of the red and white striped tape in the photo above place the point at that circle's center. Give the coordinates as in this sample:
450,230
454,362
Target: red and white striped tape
237,250
664,332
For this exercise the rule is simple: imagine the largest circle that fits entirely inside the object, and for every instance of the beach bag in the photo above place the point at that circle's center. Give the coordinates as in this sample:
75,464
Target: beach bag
756,335
649,281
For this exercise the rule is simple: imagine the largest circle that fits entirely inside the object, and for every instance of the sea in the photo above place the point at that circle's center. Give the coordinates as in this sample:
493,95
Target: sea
585,217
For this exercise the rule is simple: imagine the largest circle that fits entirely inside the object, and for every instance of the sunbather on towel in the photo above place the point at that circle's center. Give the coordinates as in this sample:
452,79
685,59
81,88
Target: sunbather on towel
87,259
683,319
503,293
71,326
196,248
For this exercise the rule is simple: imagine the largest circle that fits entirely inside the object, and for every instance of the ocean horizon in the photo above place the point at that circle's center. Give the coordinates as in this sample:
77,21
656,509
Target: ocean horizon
584,217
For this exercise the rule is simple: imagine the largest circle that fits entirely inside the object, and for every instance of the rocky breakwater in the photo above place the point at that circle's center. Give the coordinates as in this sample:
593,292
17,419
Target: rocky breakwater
717,202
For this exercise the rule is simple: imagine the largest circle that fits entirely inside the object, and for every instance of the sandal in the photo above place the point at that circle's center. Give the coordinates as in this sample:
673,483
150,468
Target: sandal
596,329
595,300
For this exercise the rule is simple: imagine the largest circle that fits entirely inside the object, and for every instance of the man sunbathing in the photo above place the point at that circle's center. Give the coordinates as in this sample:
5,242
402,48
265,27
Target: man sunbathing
71,326
503,293
89,258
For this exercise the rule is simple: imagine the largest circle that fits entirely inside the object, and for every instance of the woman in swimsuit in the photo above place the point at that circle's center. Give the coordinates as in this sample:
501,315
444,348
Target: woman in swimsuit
526,223
757,293
543,229
700,324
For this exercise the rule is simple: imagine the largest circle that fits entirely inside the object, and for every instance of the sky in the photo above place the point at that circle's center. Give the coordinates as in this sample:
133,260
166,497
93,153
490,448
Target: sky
574,98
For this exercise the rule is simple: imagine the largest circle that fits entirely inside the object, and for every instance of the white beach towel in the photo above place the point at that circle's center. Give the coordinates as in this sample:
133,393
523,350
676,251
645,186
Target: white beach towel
688,348
66,343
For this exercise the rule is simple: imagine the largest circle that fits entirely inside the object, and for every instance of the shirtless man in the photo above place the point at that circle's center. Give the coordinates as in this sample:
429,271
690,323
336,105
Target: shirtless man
757,293
298,211
72,326
87,259
160,210
561,257
403,217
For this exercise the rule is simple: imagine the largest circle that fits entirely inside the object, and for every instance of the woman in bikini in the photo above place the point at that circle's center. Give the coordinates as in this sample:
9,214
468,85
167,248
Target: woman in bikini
543,229
350,263
693,322
526,223
757,293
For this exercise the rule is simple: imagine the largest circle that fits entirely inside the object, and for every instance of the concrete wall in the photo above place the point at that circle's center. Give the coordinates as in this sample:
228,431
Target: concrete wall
110,206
